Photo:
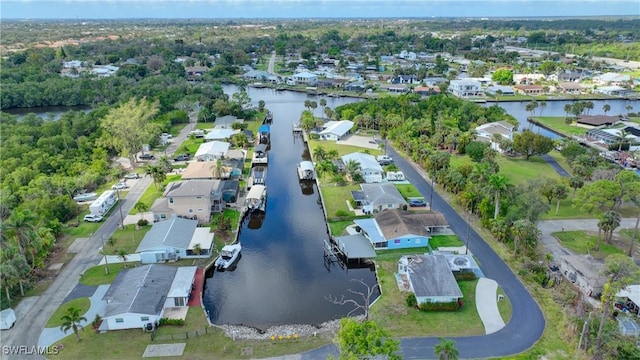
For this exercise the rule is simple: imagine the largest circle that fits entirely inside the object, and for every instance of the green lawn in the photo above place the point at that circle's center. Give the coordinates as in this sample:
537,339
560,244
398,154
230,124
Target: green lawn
409,191
82,303
581,242
336,197
518,170
445,241
557,123
568,211
126,239
97,275
341,149
338,228
154,192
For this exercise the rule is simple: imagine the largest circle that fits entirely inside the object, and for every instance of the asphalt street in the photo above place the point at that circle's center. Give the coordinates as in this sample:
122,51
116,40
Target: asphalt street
527,322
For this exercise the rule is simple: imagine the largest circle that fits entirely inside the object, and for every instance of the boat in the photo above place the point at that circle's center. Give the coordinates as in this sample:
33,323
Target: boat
228,255
264,134
85,197
268,119
306,170
260,155
258,175
256,198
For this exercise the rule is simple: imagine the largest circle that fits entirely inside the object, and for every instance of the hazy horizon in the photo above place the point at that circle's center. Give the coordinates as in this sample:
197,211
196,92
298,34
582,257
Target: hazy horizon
293,9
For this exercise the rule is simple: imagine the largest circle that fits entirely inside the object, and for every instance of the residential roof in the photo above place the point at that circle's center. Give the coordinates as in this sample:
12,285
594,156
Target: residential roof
355,246
338,128
382,193
597,120
395,223
260,149
182,281
498,127
203,237
140,290
175,232
370,227
219,148
431,276
220,133
190,188
632,292
366,161
570,86
226,121
198,170
306,166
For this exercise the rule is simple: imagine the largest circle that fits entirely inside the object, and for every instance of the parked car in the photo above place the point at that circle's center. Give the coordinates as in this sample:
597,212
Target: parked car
146,157
119,186
417,203
183,157
92,218
132,176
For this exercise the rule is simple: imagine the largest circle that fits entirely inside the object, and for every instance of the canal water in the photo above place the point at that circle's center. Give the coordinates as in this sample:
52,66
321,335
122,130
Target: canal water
282,277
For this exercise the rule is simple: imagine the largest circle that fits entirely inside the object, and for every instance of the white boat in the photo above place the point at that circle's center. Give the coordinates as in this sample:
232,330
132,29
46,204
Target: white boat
228,256
257,197
258,175
306,170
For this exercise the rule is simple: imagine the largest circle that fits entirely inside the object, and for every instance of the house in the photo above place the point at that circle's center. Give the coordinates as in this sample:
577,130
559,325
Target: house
193,199
611,79
370,169
613,90
138,297
529,89
500,90
597,120
527,79
174,239
373,198
465,88
305,78
434,81
357,86
489,130
570,88
429,278
220,134
227,121
261,75
584,272
404,79
195,73
426,90
569,76
396,229
211,151
335,130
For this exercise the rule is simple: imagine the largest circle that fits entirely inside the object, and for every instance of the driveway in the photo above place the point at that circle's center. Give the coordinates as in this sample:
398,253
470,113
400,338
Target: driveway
527,322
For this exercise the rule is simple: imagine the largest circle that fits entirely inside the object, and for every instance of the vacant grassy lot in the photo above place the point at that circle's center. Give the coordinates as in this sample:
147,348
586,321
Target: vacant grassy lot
518,170
558,124
336,197
582,242
341,149
82,304
126,239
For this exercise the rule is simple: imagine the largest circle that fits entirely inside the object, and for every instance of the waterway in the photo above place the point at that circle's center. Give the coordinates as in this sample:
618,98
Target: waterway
282,277
46,112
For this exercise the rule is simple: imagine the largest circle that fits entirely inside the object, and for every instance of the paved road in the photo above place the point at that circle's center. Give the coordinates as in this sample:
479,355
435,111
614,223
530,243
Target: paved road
29,327
554,164
527,323
272,63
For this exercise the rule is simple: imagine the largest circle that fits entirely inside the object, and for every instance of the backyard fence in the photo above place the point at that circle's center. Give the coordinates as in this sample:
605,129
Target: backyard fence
180,336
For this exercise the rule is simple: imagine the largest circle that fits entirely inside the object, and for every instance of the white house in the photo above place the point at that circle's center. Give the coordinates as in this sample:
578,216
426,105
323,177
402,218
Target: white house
220,134
611,79
370,169
139,296
305,78
612,90
335,130
465,88
211,151
174,239
429,277
489,130
378,197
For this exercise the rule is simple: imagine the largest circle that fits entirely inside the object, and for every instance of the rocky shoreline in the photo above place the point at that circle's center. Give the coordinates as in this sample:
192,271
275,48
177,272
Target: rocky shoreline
247,332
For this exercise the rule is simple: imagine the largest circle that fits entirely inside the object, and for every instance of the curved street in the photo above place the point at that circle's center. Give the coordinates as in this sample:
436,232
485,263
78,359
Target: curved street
527,322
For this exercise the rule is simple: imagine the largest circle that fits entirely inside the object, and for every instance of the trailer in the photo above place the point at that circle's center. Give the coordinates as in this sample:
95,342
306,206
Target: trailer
104,203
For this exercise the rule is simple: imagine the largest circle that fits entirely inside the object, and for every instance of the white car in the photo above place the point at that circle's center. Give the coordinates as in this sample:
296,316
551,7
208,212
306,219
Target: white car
120,186
92,218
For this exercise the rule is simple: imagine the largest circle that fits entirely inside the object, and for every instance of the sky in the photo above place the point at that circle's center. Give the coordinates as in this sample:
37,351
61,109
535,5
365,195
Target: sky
168,9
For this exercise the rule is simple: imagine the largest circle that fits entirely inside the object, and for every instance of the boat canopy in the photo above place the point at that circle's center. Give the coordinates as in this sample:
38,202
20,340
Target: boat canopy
256,192
264,129
306,166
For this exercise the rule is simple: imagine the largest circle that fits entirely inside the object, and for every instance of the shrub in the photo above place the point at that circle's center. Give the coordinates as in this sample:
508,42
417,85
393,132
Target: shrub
343,213
177,322
143,222
446,306
411,300
465,276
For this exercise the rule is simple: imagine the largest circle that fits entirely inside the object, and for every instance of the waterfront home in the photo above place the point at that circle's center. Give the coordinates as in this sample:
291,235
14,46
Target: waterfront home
429,278
174,239
529,89
261,75
211,151
465,88
220,133
305,78
335,130
426,90
611,79
591,121
487,132
569,88
193,199
370,169
527,79
500,90
139,297
373,198
396,229
613,90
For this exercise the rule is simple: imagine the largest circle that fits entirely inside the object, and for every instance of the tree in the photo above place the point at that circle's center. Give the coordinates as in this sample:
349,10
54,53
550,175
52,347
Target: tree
446,349
531,107
530,144
475,150
323,104
601,195
352,168
498,184
157,174
19,226
619,271
560,192
606,108
363,340
71,320
127,127
567,110
503,76
362,303
261,105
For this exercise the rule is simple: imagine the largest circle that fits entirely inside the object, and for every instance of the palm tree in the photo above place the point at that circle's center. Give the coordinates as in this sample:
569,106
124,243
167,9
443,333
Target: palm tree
71,320
498,184
567,110
323,103
141,207
606,108
446,349
542,104
8,276
352,167
319,153
610,221
197,249
623,138
157,173
20,226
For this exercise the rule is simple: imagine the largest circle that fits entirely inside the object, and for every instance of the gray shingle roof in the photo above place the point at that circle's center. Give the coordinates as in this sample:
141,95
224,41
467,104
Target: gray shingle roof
176,232
431,276
382,194
141,290
190,188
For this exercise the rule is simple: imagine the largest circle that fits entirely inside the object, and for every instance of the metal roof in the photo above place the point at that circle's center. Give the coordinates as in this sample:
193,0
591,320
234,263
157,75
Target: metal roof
175,232
355,246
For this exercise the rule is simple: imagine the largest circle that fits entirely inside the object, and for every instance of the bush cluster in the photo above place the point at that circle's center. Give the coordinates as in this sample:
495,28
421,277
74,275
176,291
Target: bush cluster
448,306
165,321
465,276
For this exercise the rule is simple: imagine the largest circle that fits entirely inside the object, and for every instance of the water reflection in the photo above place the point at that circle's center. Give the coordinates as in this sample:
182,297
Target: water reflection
307,187
255,219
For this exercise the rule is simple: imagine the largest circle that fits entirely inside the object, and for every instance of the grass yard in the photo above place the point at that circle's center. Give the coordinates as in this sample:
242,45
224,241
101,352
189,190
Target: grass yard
82,303
581,242
336,197
97,275
445,241
341,149
154,192
518,170
126,239
409,191
557,123
568,211
338,228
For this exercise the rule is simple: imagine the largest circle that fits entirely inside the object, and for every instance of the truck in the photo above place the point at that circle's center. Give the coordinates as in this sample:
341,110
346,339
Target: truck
384,159
7,319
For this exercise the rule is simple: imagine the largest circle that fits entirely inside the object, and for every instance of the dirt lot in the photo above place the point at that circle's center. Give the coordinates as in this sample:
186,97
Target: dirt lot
361,141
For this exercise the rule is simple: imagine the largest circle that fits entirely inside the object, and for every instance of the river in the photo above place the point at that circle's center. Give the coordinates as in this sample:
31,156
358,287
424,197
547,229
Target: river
282,277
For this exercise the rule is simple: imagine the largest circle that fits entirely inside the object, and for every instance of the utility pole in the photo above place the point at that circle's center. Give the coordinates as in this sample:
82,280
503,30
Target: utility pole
466,251
120,209
431,195
104,252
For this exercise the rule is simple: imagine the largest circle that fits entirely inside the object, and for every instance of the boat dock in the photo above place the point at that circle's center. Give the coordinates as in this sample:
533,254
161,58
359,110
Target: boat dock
260,155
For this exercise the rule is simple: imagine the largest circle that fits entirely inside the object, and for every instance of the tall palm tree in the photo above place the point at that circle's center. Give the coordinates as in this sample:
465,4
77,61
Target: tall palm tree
606,108
71,320
446,349
499,185
352,167
319,153
8,276
19,226
141,207
157,174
